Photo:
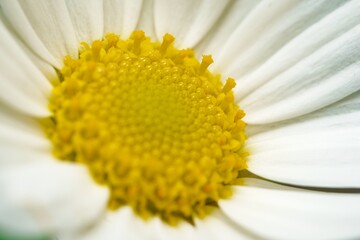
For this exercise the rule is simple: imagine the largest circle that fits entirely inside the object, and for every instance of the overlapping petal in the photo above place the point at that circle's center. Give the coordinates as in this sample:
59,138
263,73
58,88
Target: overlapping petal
319,149
121,16
189,21
45,27
122,224
25,89
277,212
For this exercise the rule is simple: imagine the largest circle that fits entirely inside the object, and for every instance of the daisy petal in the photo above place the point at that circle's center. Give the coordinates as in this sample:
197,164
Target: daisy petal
121,16
45,27
277,212
269,26
25,88
20,130
31,153
14,14
146,21
122,224
322,53
320,149
87,19
49,197
218,226
214,41
182,231
303,45
44,67
327,76
189,21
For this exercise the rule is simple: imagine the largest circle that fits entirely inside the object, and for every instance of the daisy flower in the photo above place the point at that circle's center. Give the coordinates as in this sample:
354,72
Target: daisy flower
171,119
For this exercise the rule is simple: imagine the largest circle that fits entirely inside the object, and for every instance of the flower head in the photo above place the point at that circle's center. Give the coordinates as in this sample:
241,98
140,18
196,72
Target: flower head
147,127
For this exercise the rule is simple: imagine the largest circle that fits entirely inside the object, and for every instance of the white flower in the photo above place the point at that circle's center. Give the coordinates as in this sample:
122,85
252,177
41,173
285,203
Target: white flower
297,69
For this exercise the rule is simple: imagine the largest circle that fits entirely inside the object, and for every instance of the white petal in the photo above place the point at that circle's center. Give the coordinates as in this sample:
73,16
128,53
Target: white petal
45,27
214,227
146,21
266,29
328,75
24,153
276,212
307,42
215,40
44,67
121,224
189,21
182,231
23,86
121,16
124,224
49,197
218,226
87,19
320,149
18,91
20,130
317,51
15,16
248,31
22,141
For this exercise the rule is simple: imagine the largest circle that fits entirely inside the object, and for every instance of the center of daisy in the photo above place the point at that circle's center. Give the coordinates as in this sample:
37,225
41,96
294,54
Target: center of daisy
151,123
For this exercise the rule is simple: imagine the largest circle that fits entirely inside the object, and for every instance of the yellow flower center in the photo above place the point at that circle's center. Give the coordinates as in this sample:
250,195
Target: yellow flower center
151,123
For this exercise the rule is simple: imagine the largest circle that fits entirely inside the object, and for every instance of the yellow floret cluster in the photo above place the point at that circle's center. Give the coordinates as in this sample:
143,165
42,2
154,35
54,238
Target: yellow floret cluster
151,123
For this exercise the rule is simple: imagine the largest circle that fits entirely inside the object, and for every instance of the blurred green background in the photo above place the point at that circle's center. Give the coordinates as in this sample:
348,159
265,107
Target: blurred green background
4,235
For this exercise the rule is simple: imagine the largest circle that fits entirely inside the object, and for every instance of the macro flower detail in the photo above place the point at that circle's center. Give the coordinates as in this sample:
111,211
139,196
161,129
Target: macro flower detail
170,119
151,123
